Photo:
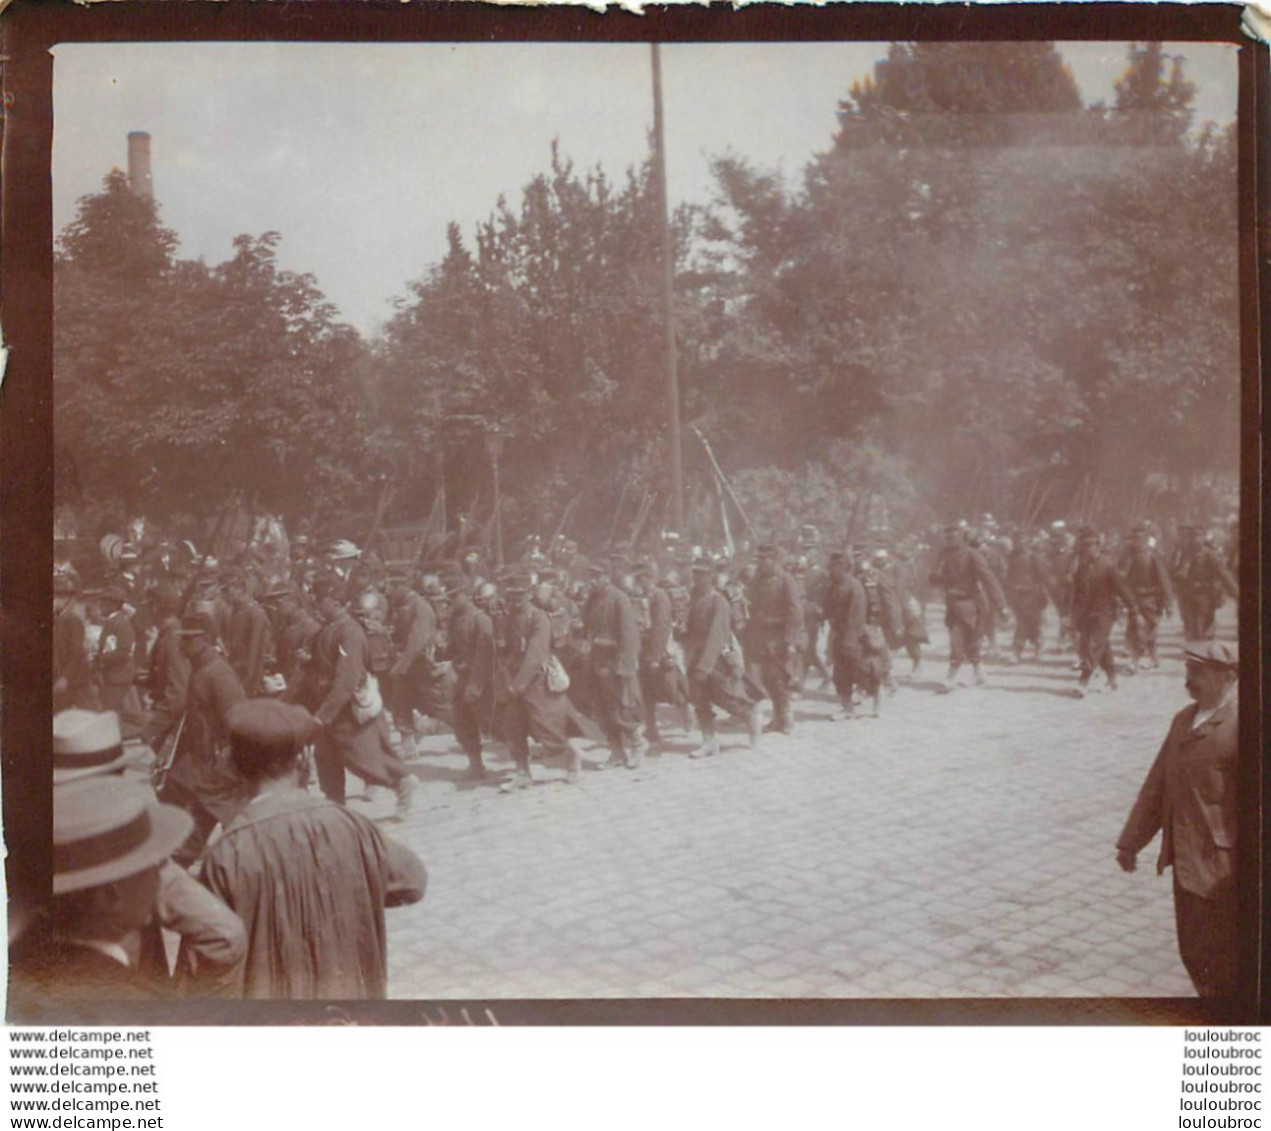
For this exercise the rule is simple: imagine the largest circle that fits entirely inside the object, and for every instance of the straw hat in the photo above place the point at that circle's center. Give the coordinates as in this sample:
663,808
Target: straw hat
106,829
88,743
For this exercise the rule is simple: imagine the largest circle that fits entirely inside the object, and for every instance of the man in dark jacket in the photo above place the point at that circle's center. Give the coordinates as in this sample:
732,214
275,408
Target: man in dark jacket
661,680
713,659
1190,798
846,610
470,649
1028,595
776,634
1149,581
201,780
1097,591
612,630
971,592
250,636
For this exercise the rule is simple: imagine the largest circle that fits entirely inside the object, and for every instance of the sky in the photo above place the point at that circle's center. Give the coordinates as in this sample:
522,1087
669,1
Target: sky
360,154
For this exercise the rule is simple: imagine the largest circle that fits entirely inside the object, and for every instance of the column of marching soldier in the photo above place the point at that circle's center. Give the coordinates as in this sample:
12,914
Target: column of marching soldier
559,649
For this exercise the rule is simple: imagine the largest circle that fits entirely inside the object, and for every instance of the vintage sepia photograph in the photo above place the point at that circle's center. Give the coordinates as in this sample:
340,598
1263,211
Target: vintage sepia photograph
634,521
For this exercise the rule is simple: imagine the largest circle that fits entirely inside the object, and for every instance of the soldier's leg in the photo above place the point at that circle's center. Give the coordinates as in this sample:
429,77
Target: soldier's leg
1205,613
330,766
1148,628
630,720
649,694
516,732
468,734
776,675
1101,635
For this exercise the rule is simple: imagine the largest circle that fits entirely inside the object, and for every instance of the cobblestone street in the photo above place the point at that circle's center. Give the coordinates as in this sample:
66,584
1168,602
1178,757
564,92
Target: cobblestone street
961,846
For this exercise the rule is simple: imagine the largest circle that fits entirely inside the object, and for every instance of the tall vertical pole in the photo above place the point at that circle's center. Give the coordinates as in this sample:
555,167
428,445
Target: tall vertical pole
668,300
439,460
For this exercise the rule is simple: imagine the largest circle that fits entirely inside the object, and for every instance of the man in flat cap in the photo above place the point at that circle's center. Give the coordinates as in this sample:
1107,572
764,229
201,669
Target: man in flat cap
1190,798
309,878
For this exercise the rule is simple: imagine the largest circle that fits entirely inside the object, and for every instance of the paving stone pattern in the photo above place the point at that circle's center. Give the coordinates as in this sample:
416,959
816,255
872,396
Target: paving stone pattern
961,846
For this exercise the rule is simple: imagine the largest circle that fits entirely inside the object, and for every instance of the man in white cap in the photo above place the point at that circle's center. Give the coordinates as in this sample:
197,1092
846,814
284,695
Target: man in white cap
110,838
213,943
1190,797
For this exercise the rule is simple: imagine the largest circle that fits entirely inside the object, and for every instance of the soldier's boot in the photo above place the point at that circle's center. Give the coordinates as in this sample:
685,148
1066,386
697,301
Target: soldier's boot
520,779
787,719
639,748
616,758
651,725
710,743
978,670
878,704
404,788
892,685
754,718
1083,687
574,763
951,680
846,710
476,767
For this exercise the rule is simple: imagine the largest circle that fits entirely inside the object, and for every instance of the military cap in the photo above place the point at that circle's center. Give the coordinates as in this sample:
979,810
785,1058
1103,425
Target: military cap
454,584
1213,653
197,624
517,583
328,585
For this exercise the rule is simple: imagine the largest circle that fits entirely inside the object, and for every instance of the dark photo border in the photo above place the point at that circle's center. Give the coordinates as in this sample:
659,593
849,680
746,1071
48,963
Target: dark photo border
29,28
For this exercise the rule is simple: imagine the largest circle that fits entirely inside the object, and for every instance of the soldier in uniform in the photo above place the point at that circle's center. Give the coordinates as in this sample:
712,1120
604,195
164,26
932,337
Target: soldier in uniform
73,683
846,609
1027,593
116,658
168,677
250,636
661,680
1201,582
775,634
1149,581
1097,589
533,703
883,624
812,581
613,633
201,780
971,590
415,637
347,739
295,630
470,649
1058,559
713,659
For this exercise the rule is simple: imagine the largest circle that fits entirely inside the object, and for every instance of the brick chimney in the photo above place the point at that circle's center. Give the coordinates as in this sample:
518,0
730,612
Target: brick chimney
139,179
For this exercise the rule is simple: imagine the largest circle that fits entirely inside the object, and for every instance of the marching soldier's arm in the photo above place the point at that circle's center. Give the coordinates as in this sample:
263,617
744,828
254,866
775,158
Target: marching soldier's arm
660,616
1123,590
420,633
988,579
628,637
481,672
718,636
1163,581
792,612
350,671
537,648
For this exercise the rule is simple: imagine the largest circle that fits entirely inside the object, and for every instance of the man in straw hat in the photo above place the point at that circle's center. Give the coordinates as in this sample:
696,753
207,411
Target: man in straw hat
110,838
309,878
1190,797
89,744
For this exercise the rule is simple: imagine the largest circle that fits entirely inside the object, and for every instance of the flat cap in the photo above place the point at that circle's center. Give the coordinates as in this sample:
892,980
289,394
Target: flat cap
269,724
